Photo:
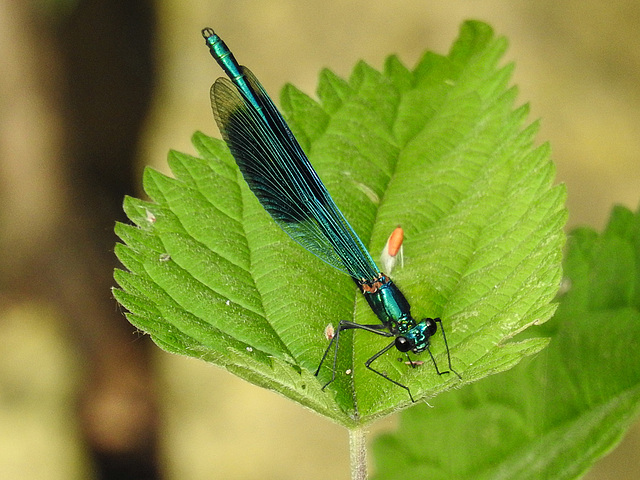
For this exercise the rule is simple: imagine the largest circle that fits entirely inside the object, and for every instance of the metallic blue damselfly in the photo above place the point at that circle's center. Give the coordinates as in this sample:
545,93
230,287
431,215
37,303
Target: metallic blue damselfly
281,177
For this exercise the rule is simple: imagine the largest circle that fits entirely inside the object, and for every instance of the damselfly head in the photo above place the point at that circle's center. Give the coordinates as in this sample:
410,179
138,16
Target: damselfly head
417,338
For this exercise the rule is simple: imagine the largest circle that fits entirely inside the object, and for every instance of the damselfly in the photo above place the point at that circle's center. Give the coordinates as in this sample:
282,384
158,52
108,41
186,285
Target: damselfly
281,177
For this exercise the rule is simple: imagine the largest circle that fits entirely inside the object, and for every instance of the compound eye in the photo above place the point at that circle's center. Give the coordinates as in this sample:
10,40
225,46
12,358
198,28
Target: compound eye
403,344
432,327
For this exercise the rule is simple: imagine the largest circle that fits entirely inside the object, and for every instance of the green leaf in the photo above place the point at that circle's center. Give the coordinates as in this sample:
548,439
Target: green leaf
554,415
439,150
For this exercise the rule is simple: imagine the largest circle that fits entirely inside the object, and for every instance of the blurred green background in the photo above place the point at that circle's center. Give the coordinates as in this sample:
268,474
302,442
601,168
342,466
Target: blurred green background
93,90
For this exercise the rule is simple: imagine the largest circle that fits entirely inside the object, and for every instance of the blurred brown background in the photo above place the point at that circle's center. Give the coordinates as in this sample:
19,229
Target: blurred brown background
93,90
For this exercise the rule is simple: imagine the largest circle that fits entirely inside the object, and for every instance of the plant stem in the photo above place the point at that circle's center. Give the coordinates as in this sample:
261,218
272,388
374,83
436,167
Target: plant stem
358,453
